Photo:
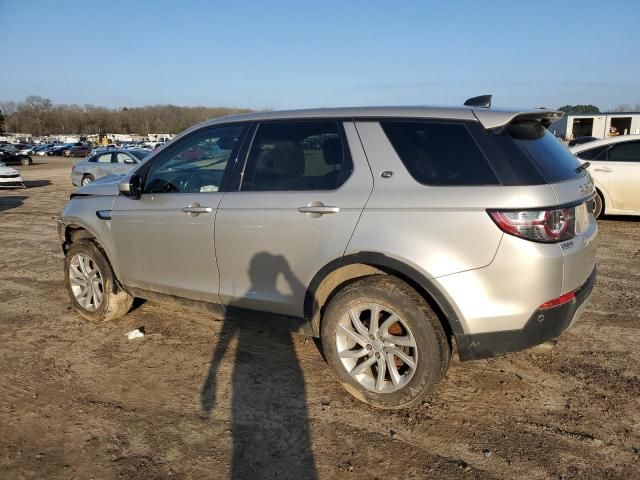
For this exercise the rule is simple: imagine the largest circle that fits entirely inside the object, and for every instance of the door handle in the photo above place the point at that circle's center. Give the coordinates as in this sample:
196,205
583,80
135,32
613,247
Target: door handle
602,169
317,209
195,209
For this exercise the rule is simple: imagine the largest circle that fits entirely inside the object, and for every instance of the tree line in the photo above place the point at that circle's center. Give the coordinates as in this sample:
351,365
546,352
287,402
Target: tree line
40,116
589,109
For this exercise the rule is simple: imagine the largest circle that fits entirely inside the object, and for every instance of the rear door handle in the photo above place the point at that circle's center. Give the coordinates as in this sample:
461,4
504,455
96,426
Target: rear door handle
317,209
195,209
602,169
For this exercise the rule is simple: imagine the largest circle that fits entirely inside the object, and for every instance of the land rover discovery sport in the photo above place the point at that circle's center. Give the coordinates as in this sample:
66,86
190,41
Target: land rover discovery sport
396,235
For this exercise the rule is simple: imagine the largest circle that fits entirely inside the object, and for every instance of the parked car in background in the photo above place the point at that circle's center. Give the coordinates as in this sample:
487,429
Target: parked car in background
405,228
41,150
104,148
615,169
104,163
77,151
10,177
8,147
59,150
13,157
28,150
581,140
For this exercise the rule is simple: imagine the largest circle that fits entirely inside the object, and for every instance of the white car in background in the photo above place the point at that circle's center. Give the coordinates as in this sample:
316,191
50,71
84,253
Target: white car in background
10,177
615,169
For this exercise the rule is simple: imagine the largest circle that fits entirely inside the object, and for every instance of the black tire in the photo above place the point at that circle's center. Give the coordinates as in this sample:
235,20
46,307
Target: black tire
86,180
115,301
433,350
598,205
25,161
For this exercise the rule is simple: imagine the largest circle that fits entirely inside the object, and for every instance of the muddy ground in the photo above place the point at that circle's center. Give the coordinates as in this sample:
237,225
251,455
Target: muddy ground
201,398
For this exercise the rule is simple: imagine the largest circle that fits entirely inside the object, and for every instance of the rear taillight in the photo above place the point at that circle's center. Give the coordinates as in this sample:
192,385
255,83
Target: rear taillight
545,226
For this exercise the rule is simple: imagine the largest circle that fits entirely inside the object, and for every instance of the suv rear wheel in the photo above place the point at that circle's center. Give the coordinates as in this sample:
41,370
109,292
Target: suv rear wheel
384,342
91,283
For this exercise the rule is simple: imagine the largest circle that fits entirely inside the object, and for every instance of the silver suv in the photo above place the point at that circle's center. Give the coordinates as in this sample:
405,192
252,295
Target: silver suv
389,233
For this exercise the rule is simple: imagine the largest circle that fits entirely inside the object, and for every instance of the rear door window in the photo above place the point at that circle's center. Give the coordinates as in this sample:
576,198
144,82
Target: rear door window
302,155
102,158
625,152
437,153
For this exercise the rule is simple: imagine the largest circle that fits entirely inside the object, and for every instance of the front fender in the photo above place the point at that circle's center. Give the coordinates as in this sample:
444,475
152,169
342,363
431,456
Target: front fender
80,212
605,193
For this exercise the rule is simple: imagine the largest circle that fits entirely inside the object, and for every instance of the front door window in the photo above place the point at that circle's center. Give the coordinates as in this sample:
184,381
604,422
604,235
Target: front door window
196,164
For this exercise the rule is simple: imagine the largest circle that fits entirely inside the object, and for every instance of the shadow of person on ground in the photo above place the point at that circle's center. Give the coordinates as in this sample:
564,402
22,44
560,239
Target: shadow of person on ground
11,201
268,405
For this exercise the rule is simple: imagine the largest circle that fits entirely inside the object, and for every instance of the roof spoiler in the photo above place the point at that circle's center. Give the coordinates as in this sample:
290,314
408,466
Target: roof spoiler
481,101
498,120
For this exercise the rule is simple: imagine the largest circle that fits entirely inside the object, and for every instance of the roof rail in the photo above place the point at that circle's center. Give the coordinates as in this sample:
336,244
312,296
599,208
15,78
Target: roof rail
482,101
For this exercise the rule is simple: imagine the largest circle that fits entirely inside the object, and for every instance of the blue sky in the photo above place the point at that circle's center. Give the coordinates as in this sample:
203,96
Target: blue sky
294,54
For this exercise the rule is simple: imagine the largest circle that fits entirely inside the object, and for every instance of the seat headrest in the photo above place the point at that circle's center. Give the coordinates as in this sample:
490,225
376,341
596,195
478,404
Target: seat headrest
286,158
332,151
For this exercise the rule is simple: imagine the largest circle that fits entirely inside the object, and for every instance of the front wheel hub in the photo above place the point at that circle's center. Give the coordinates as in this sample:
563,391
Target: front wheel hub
87,285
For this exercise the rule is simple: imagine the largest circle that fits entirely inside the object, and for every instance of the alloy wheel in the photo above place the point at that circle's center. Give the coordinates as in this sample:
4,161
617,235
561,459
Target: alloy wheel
597,209
86,282
376,347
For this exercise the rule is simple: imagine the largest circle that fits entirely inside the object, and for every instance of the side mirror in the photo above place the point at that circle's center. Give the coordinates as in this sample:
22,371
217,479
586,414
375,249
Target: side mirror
131,187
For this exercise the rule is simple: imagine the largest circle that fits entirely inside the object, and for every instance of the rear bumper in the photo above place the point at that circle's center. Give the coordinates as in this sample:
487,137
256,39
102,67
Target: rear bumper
543,325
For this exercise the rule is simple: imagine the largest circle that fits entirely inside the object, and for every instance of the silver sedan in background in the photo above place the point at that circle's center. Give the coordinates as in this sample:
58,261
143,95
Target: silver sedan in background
104,163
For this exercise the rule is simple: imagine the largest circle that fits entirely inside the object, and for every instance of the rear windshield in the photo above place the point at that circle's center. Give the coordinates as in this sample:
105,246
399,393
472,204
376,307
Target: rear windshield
439,153
531,139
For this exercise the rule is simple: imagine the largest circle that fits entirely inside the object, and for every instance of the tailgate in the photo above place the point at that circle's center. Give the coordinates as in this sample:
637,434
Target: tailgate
579,252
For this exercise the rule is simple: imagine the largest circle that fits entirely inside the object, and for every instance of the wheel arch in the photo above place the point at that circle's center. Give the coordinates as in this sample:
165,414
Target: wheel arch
604,197
76,231
341,271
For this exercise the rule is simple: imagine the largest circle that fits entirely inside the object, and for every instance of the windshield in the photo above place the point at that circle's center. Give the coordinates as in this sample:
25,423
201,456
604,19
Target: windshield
140,154
533,141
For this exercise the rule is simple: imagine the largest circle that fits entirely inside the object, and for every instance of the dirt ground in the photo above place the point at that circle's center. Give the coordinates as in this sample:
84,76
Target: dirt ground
203,398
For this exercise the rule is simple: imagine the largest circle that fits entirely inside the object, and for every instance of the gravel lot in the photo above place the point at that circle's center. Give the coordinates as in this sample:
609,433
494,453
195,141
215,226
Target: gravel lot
202,398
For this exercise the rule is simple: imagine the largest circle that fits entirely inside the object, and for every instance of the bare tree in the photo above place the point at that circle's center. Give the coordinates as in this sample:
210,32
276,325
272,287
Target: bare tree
9,110
39,116
626,107
37,108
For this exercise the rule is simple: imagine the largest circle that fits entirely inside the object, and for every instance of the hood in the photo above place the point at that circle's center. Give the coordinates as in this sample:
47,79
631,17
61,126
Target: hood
107,185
